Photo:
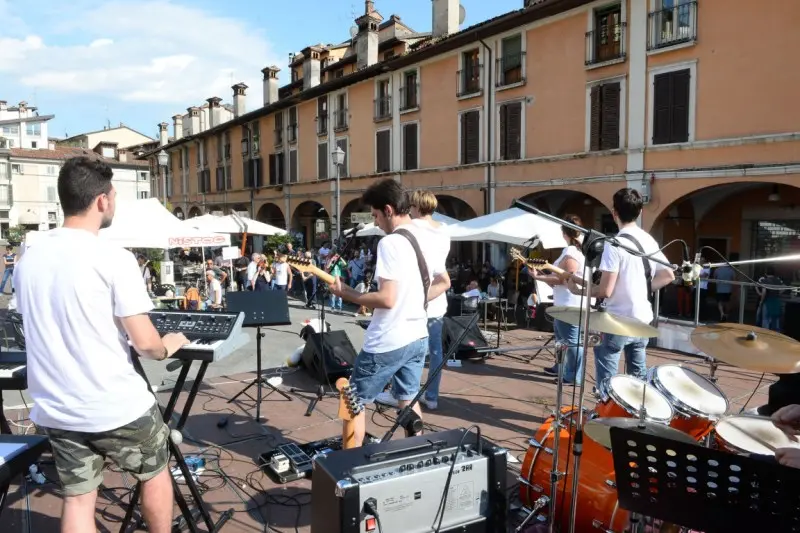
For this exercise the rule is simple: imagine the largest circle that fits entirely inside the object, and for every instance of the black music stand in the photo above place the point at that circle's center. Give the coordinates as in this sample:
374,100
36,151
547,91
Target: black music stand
261,309
701,488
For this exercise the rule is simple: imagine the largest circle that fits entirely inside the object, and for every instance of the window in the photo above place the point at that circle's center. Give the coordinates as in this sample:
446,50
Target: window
276,169
671,102
226,139
185,158
293,164
340,117
510,63
673,22
52,170
245,141
322,161
168,181
220,173
143,195
410,146
383,149
10,130
4,196
219,148
34,129
34,144
51,194
338,74
511,131
605,108
388,55
322,115
295,76
470,137
383,101
409,92
291,129
469,77
255,137
343,143
108,151
605,41
253,174
16,169
278,128
204,181
206,152
143,176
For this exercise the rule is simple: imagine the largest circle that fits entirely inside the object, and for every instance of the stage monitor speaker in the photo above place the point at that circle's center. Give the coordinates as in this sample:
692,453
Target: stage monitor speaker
334,361
474,339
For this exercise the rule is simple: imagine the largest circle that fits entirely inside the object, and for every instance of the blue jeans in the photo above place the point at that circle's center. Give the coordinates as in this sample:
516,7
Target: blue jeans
607,354
334,300
436,352
403,367
8,275
573,357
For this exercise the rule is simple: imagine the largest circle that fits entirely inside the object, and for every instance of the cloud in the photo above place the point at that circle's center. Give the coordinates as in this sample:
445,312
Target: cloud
150,51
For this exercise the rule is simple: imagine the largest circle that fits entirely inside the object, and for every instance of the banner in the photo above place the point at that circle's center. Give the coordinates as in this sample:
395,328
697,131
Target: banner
193,242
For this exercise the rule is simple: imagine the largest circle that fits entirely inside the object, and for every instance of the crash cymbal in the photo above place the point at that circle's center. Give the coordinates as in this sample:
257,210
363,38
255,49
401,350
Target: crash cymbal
599,430
604,322
749,347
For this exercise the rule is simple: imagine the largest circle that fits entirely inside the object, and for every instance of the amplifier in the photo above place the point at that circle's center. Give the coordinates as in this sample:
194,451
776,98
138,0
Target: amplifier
404,480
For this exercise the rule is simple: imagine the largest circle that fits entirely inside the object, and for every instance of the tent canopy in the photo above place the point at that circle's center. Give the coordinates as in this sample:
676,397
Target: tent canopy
512,226
373,230
232,225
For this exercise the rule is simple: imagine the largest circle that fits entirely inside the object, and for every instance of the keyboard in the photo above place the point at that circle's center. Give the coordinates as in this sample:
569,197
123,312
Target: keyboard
214,336
13,371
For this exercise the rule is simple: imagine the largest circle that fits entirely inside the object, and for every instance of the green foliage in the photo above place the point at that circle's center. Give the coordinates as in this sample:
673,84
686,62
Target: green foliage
16,234
278,242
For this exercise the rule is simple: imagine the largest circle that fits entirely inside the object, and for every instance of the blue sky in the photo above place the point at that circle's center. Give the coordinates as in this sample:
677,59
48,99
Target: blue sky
141,62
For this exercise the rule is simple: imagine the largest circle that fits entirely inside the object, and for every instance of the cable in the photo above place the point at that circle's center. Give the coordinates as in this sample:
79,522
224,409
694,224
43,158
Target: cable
371,506
745,276
755,390
443,501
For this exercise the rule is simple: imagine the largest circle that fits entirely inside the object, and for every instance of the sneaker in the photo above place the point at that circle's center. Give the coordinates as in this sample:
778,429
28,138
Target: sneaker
553,370
386,398
430,405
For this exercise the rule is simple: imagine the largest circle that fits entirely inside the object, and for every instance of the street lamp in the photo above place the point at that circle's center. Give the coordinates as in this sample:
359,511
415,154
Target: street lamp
338,160
163,159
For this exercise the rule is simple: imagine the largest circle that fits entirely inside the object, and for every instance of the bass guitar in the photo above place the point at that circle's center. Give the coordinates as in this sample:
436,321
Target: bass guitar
303,264
349,408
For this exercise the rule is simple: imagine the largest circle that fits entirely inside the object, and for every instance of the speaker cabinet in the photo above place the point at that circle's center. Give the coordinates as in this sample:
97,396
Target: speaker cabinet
474,339
331,362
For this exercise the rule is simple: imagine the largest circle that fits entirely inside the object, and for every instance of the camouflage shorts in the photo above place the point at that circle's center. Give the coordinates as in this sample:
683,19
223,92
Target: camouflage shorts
139,448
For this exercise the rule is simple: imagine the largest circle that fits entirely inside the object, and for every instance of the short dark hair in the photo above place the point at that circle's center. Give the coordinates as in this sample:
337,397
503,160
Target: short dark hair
387,192
628,205
80,181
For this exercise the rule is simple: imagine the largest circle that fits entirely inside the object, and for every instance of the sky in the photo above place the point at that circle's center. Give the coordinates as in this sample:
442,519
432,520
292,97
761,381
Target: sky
139,62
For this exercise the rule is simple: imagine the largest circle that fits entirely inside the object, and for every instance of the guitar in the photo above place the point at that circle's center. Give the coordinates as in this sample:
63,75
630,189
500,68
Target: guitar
349,408
536,264
303,264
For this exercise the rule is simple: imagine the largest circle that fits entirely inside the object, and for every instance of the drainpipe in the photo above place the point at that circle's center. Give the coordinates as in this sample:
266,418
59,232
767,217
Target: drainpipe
489,193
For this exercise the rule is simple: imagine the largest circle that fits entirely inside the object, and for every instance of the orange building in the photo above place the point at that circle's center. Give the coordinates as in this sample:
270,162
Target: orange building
560,103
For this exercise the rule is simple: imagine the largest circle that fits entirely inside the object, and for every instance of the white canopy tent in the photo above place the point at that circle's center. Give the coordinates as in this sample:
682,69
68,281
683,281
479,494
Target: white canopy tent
512,226
232,224
373,230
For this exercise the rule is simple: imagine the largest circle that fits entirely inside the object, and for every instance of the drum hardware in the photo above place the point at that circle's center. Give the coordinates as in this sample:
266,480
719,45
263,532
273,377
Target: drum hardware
748,347
537,506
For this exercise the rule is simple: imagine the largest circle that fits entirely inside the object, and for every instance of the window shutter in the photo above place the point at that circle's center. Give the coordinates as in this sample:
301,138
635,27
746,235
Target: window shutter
384,149
410,161
273,169
248,175
344,170
281,166
293,178
504,132
463,140
661,109
228,178
207,180
679,116
594,111
473,149
514,134
220,178
200,182
322,161
609,135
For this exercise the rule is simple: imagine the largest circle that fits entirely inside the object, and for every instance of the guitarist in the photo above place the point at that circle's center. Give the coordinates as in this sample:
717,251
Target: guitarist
396,342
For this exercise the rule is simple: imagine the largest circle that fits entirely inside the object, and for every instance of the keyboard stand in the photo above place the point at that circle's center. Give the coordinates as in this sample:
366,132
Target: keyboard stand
188,516
5,429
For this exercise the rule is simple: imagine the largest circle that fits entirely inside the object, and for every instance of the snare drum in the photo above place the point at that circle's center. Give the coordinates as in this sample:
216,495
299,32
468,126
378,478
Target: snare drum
625,400
697,402
740,434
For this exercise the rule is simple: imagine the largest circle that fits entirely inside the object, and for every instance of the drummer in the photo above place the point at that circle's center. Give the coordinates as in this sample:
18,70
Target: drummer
626,289
787,419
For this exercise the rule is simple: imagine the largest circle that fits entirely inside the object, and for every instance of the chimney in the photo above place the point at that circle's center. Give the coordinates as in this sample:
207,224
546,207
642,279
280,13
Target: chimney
163,136
367,36
194,119
446,15
213,111
270,84
177,126
122,155
239,107
311,67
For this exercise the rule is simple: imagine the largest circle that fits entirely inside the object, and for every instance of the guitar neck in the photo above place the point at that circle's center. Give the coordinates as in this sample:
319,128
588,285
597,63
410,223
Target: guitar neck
321,274
546,266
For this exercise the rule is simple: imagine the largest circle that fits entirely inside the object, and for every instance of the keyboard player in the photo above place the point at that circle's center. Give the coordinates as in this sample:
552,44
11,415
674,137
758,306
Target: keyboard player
89,400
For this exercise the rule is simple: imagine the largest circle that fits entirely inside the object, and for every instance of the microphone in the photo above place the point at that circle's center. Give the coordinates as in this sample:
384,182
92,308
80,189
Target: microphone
690,271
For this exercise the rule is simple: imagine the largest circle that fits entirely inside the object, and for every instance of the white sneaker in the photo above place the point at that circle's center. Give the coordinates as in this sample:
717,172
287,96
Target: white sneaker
386,398
429,405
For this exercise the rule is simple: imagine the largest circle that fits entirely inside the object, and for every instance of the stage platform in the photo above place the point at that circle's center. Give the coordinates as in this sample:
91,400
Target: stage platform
507,397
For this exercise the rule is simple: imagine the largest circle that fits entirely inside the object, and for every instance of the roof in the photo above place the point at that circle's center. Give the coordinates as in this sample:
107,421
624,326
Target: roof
123,126
537,10
62,153
37,118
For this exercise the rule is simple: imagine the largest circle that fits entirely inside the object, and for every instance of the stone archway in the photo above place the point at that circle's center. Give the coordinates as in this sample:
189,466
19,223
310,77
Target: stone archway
216,210
178,212
195,212
559,202
455,207
271,214
313,222
242,210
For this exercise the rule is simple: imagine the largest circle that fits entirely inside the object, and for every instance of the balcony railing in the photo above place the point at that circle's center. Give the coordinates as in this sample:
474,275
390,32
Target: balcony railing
605,44
409,97
383,108
672,26
322,124
340,120
469,80
278,136
291,133
509,69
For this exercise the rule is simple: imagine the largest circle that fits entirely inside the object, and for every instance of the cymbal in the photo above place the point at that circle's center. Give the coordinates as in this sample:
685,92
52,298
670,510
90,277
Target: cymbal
749,347
599,430
604,322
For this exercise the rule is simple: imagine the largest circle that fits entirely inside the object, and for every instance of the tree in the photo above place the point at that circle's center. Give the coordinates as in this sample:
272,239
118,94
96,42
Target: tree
278,242
16,234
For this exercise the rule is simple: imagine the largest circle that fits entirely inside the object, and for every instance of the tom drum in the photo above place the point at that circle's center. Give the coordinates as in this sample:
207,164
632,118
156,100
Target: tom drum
625,400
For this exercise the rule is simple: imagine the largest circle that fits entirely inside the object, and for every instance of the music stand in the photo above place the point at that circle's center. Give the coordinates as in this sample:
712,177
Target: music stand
261,309
702,488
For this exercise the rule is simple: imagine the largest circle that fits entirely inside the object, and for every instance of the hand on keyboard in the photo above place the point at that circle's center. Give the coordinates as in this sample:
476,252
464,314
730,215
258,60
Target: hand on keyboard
174,342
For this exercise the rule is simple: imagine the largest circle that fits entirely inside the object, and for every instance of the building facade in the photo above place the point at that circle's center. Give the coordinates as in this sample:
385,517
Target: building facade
559,104
121,136
21,126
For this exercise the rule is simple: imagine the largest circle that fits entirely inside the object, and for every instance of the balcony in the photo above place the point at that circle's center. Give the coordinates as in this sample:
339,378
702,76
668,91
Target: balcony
605,44
340,120
509,69
383,108
409,97
469,81
322,125
291,133
672,26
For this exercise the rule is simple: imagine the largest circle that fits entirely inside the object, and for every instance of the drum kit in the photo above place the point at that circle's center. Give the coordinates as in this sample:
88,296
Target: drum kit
673,402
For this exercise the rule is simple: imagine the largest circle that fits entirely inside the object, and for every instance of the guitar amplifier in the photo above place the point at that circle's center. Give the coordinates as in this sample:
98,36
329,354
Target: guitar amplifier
405,482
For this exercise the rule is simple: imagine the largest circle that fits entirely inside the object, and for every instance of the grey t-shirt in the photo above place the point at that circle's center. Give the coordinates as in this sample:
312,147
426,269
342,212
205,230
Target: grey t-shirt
725,273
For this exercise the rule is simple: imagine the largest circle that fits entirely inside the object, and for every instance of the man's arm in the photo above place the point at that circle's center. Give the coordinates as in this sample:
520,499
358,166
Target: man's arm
662,278
439,285
383,298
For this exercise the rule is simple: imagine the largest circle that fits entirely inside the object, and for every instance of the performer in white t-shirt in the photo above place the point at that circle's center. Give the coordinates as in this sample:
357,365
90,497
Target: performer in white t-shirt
78,317
624,286
396,342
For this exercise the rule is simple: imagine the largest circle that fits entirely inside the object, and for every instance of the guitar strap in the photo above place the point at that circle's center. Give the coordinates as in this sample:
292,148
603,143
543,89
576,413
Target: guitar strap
648,273
423,266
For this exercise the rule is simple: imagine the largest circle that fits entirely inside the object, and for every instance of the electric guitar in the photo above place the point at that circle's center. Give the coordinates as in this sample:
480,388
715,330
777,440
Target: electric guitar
349,408
536,264
303,264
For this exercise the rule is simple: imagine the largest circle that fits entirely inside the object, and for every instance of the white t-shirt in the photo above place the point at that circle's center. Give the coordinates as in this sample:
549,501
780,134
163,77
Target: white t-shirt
281,274
80,374
407,321
214,291
440,249
629,297
561,294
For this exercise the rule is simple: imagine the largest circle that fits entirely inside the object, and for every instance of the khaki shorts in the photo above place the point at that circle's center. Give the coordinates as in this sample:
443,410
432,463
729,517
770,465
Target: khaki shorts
139,448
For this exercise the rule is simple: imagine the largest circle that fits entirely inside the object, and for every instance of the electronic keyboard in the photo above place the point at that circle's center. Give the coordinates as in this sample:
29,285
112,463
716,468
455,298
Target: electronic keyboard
214,336
13,371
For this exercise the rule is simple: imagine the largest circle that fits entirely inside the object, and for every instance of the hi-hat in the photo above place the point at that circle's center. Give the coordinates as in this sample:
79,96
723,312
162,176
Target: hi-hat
604,322
599,430
749,347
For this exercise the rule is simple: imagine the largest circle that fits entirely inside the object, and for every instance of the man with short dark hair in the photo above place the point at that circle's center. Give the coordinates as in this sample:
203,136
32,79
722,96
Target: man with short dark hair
626,288
78,317
396,342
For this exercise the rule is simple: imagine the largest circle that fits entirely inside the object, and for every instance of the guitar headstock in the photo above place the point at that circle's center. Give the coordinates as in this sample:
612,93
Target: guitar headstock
301,263
349,404
516,254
